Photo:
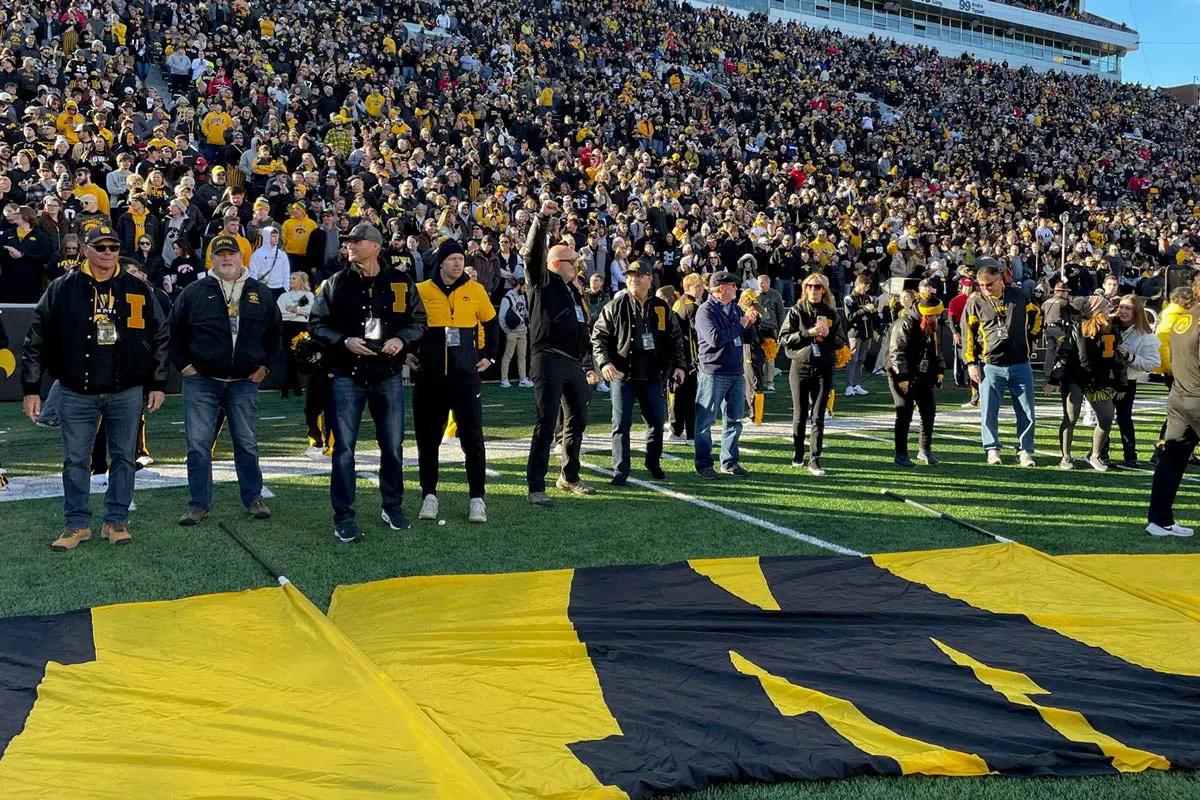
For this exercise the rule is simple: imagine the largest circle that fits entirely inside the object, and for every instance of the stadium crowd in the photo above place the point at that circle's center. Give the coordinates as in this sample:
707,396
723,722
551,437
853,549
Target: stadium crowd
663,140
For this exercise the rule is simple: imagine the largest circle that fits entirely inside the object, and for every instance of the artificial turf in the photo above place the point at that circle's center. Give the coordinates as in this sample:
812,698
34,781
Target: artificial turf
1058,512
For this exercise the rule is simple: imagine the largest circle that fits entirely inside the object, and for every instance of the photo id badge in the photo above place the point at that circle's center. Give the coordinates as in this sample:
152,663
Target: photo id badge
647,341
373,330
737,341
106,331
579,313
923,366
453,337
233,324
816,348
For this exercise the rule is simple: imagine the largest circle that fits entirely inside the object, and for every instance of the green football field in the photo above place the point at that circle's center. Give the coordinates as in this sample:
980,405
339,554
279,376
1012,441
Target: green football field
1055,511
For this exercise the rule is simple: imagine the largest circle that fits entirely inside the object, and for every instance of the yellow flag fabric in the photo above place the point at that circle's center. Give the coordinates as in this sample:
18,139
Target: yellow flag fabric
253,694
615,682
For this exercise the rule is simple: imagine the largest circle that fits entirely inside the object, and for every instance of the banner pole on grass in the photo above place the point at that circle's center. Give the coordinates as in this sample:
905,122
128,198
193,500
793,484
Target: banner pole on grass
943,515
257,556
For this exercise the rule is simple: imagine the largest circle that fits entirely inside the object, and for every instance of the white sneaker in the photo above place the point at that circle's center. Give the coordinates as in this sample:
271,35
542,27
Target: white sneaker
602,387
132,506
993,458
315,454
690,442
968,404
100,480
1097,464
505,385
1169,530
429,508
815,470
778,372
850,391
450,440
525,383
558,449
673,439
860,390
478,510
145,461
1025,459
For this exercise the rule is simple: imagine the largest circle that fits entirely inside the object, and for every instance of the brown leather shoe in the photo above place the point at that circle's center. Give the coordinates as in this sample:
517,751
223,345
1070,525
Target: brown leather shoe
578,487
258,509
193,516
71,538
116,532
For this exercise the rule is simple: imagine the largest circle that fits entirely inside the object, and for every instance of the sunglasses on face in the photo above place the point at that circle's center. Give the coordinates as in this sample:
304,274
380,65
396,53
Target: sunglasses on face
106,248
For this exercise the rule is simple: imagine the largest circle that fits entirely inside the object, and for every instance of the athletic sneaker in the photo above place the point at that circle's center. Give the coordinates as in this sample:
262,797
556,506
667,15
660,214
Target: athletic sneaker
736,471
347,531
798,463
578,487
429,507
505,385
450,440
1066,463
396,520
676,439
657,473
850,391
539,499
1168,530
618,480
708,473
144,461
602,387
1025,459
478,513
1097,463
1132,463
100,480
904,461
690,442
993,458
814,469
859,390
525,383
927,457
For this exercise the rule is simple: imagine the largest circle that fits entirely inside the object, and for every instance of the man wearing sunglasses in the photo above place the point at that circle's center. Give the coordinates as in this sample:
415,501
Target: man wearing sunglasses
103,335
1000,323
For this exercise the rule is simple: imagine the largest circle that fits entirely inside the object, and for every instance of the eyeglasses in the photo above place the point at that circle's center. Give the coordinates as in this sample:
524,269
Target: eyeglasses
816,286
106,248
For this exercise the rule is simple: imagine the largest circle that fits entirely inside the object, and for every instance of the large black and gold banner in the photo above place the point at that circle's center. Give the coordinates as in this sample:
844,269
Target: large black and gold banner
616,682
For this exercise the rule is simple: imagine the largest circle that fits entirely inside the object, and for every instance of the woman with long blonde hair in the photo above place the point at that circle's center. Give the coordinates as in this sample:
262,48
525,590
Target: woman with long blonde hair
1088,366
1138,347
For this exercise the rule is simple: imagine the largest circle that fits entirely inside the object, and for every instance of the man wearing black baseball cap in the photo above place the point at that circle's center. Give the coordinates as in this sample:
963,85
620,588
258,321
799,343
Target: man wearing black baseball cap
368,317
100,332
720,385
224,335
636,343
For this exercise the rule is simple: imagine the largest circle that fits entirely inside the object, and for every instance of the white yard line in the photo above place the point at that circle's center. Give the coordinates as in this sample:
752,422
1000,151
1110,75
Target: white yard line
749,519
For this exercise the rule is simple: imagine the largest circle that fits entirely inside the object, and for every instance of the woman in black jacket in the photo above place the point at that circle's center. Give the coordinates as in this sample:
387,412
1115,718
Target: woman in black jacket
25,255
915,368
810,336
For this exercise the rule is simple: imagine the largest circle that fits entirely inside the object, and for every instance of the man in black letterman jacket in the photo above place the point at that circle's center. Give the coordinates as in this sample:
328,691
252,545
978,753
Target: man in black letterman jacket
560,357
225,332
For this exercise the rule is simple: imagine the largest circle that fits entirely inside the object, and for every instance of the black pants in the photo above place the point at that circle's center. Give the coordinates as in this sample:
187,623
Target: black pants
683,408
291,375
434,397
1124,408
1183,433
318,410
920,395
557,380
1169,380
810,396
1052,335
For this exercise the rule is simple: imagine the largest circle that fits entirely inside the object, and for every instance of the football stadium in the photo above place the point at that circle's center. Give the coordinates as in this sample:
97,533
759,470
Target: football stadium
434,400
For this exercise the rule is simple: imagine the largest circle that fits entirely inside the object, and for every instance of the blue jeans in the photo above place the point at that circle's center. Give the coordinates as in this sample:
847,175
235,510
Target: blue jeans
203,398
726,393
385,401
50,408
80,416
653,403
1018,380
786,289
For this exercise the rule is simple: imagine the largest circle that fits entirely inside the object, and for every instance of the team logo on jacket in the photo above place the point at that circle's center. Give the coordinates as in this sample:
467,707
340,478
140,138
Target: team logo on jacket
1183,323
253,298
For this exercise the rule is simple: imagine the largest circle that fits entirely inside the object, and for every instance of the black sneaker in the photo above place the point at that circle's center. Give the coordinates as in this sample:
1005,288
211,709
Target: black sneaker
1132,462
347,531
619,480
708,473
904,461
927,457
657,473
396,519
736,471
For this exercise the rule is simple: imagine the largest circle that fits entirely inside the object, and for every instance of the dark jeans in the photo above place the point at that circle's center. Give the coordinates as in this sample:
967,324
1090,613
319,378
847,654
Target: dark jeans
1124,409
1072,405
385,401
80,416
683,408
1051,337
557,380
810,396
919,394
203,400
1183,433
653,404
434,397
724,394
